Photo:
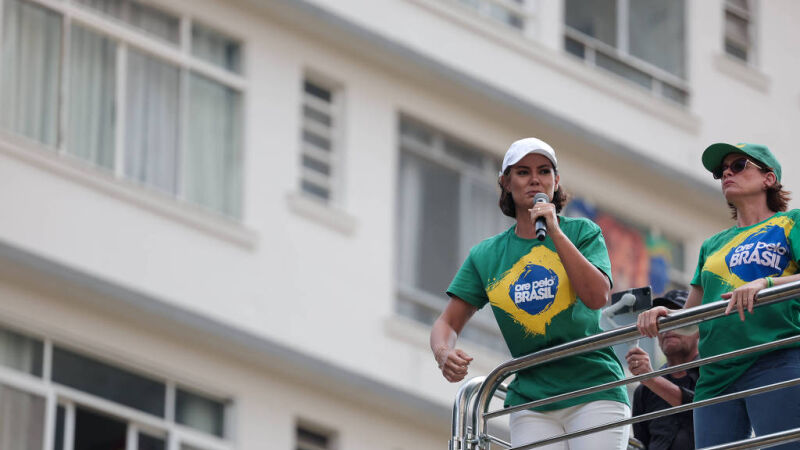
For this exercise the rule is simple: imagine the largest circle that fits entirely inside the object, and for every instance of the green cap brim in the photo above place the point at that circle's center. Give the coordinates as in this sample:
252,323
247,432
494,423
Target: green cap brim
715,153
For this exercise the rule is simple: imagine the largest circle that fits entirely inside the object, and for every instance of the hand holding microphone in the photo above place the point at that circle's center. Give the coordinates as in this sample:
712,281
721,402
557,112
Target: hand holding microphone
541,223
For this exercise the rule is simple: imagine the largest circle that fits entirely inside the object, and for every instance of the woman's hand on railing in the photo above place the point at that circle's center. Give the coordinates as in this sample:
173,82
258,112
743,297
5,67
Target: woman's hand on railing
453,363
647,322
744,297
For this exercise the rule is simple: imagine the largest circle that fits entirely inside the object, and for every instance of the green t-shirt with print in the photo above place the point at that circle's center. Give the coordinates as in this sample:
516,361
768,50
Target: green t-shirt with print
536,307
728,260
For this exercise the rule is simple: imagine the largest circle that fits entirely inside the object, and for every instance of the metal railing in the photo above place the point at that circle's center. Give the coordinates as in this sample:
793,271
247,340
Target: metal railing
471,409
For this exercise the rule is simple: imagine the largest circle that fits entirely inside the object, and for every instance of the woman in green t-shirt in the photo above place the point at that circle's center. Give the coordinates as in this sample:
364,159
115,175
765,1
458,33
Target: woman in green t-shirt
760,251
543,293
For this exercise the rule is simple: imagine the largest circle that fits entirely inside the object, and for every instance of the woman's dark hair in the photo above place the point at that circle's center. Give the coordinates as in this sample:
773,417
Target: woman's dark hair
506,202
777,198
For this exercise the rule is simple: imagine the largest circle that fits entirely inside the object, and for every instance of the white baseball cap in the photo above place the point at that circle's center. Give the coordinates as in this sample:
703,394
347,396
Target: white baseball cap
523,147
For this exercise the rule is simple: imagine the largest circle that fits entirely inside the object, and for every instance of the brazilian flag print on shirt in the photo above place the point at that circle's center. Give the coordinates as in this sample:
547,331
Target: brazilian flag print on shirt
535,306
728,260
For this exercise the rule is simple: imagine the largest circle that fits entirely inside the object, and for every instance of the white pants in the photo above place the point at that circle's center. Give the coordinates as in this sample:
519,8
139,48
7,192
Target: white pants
529,426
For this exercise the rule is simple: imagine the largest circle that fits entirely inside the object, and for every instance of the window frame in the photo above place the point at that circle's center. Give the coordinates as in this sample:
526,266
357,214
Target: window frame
304,425
659,78
335,109
482,324
55,395
749,16
126,37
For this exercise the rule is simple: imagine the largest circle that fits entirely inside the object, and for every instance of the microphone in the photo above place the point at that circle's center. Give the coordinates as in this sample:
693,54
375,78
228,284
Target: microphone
541,224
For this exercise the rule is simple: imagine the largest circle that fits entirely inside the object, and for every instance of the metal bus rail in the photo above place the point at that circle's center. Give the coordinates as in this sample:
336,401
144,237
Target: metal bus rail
471,408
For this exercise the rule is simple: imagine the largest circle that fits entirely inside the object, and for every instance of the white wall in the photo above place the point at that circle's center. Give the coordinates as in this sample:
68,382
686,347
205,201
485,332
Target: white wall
322,280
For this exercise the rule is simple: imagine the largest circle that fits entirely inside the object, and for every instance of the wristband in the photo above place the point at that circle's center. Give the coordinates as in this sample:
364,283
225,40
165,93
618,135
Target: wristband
770,283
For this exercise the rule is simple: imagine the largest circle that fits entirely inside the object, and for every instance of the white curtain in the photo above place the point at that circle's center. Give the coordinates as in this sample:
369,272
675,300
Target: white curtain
29,71
213,163
152,122
20,353
92,80
21,420
657,34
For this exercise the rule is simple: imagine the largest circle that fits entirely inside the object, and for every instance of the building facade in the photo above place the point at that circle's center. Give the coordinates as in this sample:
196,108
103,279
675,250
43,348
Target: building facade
229,224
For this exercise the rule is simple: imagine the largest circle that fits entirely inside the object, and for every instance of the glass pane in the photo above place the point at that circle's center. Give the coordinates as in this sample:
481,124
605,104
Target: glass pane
214,154
154,21
30,71
415,131
596,18
311,440
318,91
114,8
151,20
316,165
109,382
216,48
58,441
317,116
321,142
736,28
464,153
742,4
502,14
199,412
21,419
151,134
315,190
92,97
574,47
98,432
20,352
435,246
657,34
147,442
736,50
675,94
623,70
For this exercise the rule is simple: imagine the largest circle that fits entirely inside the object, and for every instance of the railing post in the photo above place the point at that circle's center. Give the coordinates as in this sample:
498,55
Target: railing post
473,412
461,408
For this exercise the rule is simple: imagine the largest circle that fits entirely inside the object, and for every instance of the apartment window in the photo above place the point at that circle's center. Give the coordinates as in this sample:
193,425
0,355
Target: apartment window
511,13
20,352
158,107
99,404
310,437
447,203
642,41
320,140
739,29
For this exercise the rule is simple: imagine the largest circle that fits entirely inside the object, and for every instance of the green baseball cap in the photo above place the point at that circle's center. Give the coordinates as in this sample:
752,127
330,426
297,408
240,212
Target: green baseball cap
715,153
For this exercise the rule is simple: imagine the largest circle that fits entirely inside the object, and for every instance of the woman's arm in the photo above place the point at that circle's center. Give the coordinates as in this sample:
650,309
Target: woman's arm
590,283
452,361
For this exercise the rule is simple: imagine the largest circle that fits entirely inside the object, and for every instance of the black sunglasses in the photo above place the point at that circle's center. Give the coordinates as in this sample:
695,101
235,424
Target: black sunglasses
736,167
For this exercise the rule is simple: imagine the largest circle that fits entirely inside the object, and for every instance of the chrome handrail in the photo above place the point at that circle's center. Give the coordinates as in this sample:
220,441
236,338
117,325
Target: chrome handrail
479,414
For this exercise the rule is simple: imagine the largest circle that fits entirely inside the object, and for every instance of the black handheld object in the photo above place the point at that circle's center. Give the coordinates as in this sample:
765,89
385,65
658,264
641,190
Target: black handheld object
541,224
644,299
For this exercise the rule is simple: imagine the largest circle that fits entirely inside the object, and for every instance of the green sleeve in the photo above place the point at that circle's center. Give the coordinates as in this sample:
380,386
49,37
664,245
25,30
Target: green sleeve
701,260
592,245
467,284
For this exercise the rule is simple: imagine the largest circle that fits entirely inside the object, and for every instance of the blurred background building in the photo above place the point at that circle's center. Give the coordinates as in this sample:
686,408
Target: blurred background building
229,224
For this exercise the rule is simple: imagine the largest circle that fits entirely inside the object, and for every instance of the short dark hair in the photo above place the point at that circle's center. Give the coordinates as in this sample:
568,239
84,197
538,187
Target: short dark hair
506,202
777,197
